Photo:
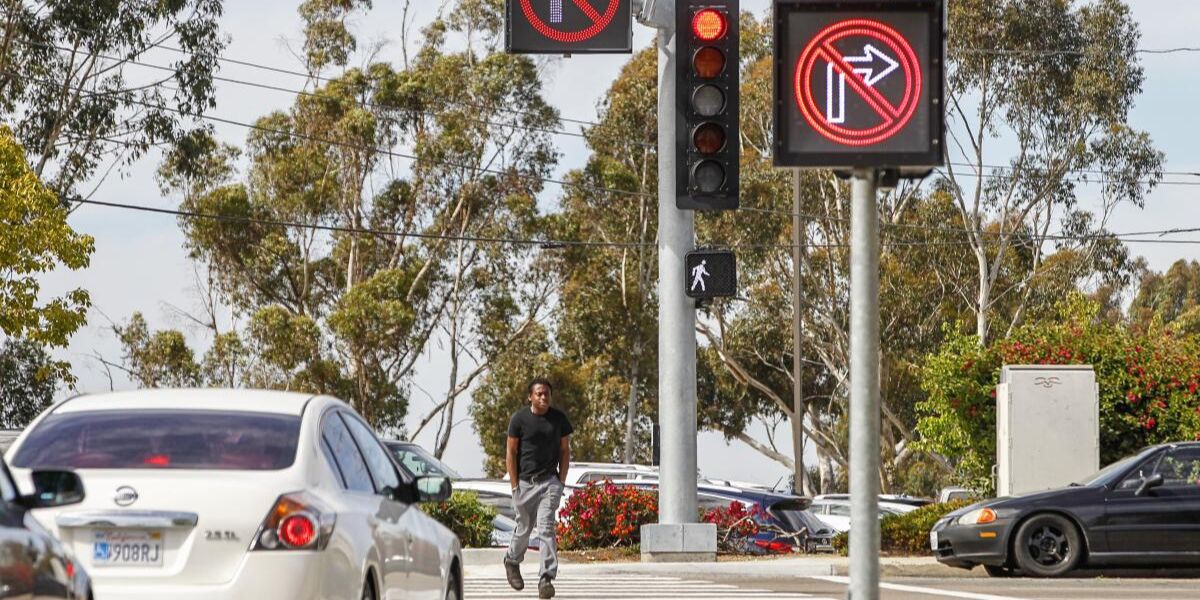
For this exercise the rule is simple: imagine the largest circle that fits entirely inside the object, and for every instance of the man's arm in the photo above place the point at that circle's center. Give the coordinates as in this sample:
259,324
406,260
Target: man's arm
564,457
510,459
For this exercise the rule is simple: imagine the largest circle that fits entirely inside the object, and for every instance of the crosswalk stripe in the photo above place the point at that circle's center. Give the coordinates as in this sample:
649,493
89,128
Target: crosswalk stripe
620,587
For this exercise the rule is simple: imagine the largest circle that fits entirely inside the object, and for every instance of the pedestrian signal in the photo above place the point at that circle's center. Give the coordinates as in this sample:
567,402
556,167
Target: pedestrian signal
711,274
706,126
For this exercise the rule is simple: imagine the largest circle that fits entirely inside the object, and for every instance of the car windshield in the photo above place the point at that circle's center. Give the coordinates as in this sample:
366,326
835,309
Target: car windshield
161,439
421,463
1103,475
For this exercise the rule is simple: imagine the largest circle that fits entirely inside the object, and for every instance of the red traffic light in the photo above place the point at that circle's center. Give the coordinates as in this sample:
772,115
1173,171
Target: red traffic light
709,25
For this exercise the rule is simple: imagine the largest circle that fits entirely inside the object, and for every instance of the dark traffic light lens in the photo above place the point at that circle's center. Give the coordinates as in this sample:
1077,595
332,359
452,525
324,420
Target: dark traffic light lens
708,100
709,138
709,25
708,62
708,176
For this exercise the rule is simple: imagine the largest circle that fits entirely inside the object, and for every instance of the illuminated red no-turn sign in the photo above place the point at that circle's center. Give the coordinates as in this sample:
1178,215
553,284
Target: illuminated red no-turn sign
568,26
858,87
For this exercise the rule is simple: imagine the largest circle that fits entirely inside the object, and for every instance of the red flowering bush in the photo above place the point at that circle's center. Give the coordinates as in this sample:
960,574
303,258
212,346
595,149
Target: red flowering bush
736,526
1149,386
603,515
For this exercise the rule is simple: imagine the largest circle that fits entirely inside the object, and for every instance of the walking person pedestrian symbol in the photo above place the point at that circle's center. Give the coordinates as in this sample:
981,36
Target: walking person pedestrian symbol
698,275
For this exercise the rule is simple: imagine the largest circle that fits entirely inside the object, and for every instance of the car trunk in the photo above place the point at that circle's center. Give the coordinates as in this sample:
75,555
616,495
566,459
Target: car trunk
184,527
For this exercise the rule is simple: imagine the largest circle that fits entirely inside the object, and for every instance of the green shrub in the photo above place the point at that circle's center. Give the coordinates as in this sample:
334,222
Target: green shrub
605,516
1149,386
907,533
466,516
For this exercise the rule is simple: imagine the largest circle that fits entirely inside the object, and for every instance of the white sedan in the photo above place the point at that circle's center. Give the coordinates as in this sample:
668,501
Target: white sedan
236,494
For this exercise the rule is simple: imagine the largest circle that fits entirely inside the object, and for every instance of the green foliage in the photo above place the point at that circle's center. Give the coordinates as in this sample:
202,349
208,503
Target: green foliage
466,516
907,533
65,88
603,515
28,381
34,239
1149,386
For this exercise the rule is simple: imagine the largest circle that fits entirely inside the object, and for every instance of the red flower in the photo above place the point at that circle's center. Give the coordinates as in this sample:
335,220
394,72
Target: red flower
1151,422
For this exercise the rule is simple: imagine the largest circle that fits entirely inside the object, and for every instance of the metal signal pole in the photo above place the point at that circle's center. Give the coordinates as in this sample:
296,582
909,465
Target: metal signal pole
798,410
864,387
677,536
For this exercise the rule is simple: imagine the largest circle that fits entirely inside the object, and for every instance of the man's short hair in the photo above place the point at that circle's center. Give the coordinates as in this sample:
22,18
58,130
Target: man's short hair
539,381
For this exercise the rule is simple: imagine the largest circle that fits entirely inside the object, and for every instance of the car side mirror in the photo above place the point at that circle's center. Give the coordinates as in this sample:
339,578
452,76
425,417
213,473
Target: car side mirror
1148,483
432,488
54,488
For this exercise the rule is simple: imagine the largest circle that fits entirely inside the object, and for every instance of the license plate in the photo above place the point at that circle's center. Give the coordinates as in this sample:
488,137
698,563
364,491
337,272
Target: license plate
933,540
127,548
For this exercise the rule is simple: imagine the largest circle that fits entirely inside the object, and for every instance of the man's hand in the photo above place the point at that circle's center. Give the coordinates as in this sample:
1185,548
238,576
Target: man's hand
510,461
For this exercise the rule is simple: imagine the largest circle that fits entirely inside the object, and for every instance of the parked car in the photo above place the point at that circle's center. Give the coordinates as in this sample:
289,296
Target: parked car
1142,510
419,461
33,563
948,494
497,494
233,494
912,501
836,512
784,512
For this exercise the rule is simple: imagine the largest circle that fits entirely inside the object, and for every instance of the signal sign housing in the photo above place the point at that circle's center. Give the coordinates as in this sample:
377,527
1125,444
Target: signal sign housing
568,26
710,274
706,127
858,83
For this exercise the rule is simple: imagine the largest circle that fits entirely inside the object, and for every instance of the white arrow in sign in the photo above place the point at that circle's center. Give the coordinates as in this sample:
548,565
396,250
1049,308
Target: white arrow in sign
835,82
869,75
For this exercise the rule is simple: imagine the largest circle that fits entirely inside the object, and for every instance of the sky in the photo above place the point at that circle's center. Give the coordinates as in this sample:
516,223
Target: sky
140,265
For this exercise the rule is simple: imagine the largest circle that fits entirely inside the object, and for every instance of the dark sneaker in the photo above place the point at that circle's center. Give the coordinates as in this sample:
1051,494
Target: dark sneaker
545,588
513,571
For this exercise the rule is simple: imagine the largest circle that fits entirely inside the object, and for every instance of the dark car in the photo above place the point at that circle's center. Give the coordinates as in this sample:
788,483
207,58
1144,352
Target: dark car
784,514
1143,510
33,564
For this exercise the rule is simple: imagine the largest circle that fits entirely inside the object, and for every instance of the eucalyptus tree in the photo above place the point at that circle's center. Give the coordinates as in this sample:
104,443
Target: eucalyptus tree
71,91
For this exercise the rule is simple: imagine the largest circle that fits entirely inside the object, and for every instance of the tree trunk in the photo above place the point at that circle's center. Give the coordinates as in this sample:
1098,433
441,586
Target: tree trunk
631,410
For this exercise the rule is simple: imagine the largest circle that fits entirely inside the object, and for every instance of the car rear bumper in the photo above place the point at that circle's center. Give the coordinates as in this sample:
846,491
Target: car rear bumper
968,545
262,576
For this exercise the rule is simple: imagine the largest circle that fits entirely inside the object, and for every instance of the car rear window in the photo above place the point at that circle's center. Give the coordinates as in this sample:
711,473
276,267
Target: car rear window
162,439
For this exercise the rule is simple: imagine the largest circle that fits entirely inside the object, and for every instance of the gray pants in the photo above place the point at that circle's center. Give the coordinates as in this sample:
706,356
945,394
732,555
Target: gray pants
536,503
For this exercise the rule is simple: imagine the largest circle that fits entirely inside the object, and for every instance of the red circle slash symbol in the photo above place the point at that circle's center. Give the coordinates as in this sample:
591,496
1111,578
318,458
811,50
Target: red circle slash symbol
825,64
599,20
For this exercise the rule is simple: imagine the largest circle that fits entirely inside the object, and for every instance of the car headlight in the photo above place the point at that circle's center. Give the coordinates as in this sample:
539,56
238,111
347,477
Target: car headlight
979,516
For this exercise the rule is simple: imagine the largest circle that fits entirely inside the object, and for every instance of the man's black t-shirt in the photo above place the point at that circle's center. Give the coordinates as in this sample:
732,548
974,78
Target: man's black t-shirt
540,436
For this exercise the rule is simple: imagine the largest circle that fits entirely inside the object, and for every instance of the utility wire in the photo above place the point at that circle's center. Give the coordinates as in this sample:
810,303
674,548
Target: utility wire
347,145
323,96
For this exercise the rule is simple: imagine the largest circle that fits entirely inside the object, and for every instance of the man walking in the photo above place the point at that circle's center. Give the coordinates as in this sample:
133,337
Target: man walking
537,456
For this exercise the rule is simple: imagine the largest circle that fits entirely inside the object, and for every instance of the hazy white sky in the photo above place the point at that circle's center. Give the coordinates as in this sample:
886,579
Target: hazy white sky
139,263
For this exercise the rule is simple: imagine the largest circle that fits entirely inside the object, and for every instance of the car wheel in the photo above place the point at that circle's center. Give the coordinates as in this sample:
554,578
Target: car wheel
452,587
1048,546
994,571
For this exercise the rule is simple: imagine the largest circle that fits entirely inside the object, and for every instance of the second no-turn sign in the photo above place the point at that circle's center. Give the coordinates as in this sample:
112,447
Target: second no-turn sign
858,84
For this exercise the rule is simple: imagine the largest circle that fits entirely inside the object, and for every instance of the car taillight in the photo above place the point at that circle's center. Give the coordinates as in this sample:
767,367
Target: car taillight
296,522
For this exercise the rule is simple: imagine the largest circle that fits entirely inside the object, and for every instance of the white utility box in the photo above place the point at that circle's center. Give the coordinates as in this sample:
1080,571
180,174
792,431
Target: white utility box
1047,427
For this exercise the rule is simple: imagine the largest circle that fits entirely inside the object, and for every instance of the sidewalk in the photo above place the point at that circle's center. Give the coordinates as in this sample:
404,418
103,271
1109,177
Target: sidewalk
482,561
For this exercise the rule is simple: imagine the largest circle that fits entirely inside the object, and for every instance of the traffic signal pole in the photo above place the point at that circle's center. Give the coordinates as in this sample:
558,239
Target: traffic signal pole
677,536
864,386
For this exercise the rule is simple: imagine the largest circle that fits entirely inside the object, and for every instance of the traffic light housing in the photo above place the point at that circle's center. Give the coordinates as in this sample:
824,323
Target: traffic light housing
706,126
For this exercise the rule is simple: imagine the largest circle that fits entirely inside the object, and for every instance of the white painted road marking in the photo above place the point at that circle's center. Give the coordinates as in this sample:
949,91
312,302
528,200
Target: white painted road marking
625,586
924,590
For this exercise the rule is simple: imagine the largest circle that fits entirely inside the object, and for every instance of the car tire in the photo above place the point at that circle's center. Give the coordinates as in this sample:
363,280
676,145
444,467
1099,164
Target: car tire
452,587
995,571
368,592
1047,545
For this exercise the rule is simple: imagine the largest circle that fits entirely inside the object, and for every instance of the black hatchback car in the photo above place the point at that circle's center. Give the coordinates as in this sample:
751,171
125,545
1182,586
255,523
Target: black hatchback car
34,564
1143,510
